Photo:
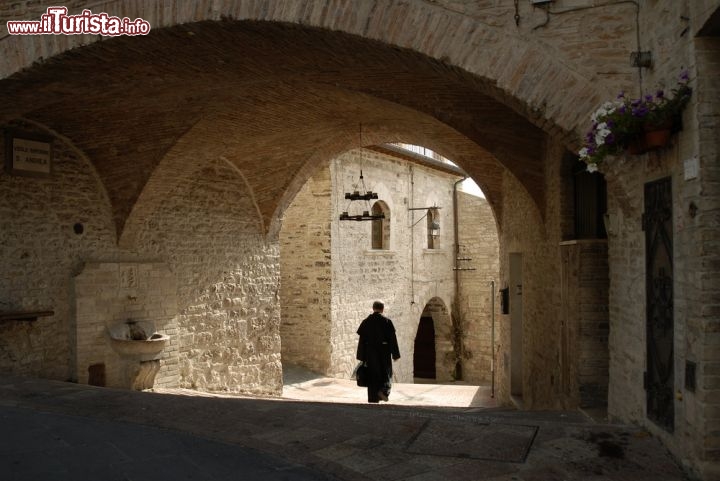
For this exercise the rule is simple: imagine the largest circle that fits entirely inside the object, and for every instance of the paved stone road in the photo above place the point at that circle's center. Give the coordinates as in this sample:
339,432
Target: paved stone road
62,431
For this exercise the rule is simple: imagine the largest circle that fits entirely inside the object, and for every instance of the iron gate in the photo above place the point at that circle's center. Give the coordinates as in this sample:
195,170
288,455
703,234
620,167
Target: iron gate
659,378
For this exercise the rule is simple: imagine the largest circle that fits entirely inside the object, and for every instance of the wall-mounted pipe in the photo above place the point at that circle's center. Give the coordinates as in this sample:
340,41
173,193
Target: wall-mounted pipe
456,233
492,338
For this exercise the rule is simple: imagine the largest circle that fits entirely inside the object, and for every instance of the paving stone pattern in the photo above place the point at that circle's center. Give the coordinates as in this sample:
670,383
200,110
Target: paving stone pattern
70,431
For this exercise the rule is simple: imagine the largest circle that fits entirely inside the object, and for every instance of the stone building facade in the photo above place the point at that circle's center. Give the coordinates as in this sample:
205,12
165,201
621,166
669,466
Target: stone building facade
185,147
220,338
331,272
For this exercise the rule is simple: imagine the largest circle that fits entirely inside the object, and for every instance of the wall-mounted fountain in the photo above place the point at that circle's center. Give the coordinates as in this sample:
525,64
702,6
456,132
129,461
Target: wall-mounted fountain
125,325
139,346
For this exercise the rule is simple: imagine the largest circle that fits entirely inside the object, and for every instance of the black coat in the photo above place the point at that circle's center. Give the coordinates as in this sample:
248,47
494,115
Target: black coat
377,347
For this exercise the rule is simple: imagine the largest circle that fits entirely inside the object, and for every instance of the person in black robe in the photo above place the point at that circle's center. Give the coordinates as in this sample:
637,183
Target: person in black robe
376,346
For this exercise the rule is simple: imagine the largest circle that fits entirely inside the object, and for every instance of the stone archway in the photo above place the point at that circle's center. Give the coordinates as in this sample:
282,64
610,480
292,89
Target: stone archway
475,42
510,114
279,99
436,310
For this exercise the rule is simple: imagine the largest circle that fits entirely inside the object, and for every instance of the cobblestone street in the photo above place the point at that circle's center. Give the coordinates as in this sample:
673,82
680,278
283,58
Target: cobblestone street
64,431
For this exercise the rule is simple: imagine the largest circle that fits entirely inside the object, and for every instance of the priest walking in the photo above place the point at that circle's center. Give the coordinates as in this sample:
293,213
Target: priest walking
377,345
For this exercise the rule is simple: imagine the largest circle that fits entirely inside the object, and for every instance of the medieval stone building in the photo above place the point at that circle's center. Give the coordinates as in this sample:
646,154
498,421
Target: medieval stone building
331,270
147,178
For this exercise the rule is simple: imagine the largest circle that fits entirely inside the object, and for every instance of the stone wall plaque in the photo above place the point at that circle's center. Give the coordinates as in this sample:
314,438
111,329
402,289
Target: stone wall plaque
28,154
128,277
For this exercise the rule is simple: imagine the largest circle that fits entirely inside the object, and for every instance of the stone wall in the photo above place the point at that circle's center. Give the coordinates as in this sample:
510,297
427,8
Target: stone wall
305,270
583,342
361,274
694,260
110,294
535,233
405,276
228,281
478,240
702,408
226,273
40,253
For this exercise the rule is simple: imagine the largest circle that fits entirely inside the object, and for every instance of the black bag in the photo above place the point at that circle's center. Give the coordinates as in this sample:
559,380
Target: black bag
361,374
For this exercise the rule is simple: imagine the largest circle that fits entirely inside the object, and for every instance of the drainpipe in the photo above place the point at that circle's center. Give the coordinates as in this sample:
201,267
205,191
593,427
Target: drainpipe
492,337
412,237
455,262
457,235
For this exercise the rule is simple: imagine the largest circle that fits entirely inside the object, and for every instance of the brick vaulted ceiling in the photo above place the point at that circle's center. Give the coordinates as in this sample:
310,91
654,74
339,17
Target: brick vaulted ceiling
269,98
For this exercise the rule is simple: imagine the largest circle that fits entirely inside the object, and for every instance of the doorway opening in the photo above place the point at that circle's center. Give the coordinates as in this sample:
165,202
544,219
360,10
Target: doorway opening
424,353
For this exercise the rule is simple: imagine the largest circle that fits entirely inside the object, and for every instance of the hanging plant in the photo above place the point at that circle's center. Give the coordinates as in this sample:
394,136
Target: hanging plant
635,126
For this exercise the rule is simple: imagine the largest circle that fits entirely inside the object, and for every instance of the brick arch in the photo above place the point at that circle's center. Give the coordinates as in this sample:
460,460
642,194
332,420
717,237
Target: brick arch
480,164
128,111
272,194
537,80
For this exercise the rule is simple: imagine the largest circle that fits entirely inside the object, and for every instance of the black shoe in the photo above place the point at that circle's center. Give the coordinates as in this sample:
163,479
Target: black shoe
383,396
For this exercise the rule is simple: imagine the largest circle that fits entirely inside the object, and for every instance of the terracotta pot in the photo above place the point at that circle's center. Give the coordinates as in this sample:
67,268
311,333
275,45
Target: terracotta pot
657,139
636,147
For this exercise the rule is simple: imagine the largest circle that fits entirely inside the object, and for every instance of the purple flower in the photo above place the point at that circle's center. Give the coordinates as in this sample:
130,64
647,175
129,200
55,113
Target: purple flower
622,109
635,103
648,98
610,139
684,76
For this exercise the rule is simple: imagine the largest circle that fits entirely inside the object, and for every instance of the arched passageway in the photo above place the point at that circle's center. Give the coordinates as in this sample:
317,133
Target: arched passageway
424,349
262,119
281,85
188,145
433,356
332,270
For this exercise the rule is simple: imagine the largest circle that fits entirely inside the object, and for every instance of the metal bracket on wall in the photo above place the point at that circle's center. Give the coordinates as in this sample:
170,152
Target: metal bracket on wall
24,315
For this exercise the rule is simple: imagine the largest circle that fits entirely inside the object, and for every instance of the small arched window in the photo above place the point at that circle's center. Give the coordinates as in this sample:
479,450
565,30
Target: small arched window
433,229
381,227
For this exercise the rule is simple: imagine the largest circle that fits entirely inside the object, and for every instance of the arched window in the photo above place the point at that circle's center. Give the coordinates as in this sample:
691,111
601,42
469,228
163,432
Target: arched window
433,229
381,227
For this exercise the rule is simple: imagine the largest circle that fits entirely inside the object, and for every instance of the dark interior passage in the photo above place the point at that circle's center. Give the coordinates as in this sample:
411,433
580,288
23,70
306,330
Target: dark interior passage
424,358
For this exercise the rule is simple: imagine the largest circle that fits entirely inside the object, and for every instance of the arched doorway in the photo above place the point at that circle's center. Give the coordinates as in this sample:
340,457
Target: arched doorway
424,352
434,356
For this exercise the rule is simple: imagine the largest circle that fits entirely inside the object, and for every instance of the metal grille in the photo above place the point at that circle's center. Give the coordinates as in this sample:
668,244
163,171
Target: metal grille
657,222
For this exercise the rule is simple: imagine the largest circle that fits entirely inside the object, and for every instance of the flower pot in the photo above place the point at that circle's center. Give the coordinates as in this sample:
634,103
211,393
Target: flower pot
636,146
657,139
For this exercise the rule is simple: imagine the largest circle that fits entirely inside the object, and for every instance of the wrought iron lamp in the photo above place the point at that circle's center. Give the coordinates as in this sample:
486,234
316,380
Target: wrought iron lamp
435,228
366,196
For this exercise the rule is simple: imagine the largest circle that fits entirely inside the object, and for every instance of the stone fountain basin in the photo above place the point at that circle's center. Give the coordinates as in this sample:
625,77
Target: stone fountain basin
129,340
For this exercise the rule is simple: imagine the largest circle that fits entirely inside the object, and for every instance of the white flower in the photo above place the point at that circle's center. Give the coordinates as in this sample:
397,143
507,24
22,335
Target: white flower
583,152
610,106
600,137
601,132
592,168
606,109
